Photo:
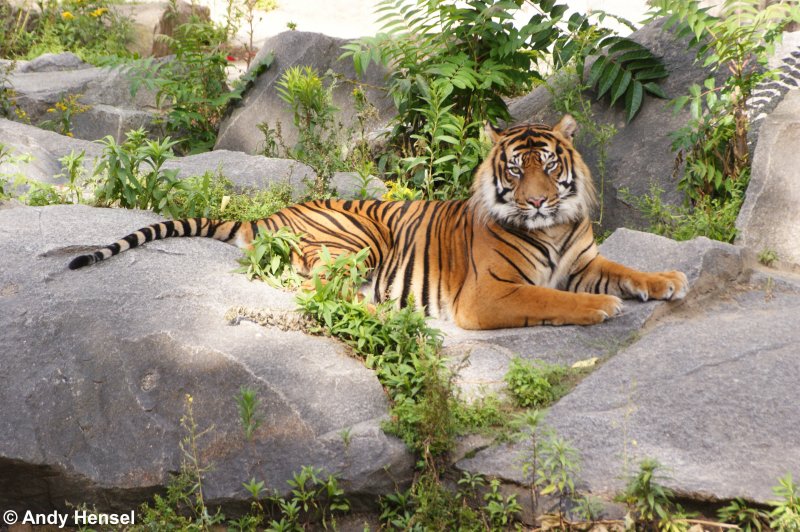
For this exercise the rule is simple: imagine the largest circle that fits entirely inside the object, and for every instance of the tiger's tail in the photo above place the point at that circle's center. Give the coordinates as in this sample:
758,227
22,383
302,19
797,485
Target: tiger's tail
241,233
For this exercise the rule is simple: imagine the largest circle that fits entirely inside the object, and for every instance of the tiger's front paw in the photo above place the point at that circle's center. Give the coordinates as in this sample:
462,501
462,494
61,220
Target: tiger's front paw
661,285
594,308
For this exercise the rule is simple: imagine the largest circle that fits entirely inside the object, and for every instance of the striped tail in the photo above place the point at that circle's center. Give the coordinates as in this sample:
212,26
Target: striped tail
217,229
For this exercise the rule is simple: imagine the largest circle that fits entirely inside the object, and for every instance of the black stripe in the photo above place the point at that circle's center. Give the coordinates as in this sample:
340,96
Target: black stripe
407,278
132,240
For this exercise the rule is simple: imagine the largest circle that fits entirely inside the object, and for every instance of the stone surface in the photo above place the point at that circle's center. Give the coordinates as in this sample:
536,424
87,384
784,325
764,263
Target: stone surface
639,154
112,109
45,148
262,104
96,364
712,397
52,63
708,390
247,172
769,218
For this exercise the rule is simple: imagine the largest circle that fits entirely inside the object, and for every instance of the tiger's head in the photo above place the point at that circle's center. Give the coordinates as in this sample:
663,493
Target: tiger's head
533,177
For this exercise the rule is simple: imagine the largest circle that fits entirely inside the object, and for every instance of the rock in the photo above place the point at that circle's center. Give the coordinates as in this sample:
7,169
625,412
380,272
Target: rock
96,364
769,219
639,154
708,390
722,386
349,185
247,172
45,149
182,13
112,110
52,63
262,104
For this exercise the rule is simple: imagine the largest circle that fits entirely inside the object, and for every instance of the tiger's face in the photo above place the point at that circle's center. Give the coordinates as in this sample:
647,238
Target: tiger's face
533,177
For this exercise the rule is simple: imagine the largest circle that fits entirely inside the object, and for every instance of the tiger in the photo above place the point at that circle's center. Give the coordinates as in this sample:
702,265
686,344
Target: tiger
519,251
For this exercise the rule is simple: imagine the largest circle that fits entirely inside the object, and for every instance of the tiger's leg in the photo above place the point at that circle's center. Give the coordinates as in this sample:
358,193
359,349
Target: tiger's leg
603,276
501,305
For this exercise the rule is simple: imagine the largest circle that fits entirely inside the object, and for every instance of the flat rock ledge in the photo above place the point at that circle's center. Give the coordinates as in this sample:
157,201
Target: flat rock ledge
96,365
709,389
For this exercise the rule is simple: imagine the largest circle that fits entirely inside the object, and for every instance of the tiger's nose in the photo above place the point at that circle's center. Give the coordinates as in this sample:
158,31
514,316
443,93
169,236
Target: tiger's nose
537,202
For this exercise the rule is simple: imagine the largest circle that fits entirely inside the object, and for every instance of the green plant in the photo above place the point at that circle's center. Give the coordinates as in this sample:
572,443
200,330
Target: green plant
626,71
191,89
558,466
270,257
711,217
311,102
454,63
445,150
767,257
133,174
314,497
183,507
535,384
786,512
63,111
713,145
247,402
650,504
88,28
746,518
8,96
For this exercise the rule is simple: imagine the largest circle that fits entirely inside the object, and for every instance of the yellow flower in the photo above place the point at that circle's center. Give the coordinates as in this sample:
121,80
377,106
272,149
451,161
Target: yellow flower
98,12
66,15
69,134
51,110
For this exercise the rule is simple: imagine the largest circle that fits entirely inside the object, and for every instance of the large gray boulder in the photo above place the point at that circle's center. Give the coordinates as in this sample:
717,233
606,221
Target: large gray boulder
706,387
639,154
96,364
41,83
247,172
262,104
45,149
769,218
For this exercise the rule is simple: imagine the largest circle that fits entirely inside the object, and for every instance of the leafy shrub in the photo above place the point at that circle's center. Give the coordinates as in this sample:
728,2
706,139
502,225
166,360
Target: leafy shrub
534,384
786,512
191,89
134,177
270,257
711,217
454,63
62,112
650,504
88,28
713,145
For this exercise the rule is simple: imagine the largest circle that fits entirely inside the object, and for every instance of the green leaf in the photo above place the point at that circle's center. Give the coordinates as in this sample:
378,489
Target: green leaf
620,86
655,89
633,100
596,70
610,73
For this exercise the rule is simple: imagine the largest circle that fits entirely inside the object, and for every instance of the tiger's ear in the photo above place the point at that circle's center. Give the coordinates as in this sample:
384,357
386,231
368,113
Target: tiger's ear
567,126
492,132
